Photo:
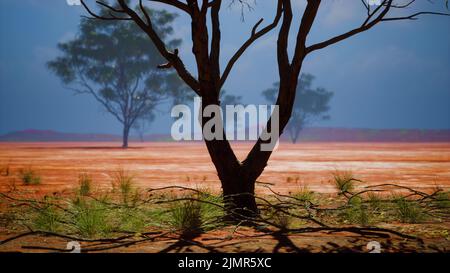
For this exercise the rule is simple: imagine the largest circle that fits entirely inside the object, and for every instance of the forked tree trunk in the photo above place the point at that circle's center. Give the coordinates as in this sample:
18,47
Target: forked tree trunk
238,190
237,179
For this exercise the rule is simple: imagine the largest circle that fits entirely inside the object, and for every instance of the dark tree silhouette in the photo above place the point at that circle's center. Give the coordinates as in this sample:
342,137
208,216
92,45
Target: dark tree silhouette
238,178
310,104
114,62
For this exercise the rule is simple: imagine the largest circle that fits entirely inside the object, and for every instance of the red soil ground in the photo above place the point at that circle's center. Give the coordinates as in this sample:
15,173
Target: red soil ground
420,165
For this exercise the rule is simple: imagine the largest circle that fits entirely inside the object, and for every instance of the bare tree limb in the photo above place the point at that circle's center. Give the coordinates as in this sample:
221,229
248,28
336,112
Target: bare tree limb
255,35
383,10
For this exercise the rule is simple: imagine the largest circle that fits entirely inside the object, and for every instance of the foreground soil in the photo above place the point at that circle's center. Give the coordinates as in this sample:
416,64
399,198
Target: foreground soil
245,240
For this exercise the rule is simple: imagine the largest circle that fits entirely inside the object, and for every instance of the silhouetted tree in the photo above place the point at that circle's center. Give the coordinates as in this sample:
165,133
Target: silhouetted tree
310,104
115,62
238,178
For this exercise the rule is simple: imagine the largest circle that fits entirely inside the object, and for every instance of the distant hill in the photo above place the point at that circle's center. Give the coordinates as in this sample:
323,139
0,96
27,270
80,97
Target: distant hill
372,135
308,134
48,135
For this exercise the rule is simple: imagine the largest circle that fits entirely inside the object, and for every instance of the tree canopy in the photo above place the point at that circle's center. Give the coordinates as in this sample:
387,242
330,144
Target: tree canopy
115,62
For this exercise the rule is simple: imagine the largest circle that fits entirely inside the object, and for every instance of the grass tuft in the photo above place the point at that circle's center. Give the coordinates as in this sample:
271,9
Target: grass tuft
304,194
48,218
91,218
29,177
85,184
357,212
124,182
344,182
409,211
187,218
442,200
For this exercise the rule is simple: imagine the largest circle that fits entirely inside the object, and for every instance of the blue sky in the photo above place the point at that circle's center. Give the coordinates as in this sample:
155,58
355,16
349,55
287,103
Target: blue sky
396,75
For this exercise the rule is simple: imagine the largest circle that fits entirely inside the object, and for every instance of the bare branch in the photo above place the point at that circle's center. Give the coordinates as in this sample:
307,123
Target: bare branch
383,10
112,16
253,37
174,3
171,57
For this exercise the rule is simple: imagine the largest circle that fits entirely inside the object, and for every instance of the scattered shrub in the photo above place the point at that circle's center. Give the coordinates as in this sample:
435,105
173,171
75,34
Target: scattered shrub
409,211
124,181
211,209
85,184
344,182
304,194
29,177
91,218
442,200
375,201
357,212
47,219
187,218
130,219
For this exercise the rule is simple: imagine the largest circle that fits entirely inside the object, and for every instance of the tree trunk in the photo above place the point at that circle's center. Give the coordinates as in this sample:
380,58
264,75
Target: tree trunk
239,196
238,188
126,133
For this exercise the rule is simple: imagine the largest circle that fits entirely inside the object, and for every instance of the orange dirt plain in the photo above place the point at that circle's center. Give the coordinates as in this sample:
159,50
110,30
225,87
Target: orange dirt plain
423,166
419,165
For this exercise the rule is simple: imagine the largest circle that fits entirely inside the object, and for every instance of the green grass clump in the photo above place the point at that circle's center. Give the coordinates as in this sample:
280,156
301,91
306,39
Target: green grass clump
91,218
375,201
344,182
304,195
187,218
29,177
357,212
409,211
124,181
48,218
85,184
130,219
442,200
211,208
195,213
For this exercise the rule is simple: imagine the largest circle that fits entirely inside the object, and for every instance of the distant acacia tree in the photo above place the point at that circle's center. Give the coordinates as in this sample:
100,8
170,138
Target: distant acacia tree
116,63
310,104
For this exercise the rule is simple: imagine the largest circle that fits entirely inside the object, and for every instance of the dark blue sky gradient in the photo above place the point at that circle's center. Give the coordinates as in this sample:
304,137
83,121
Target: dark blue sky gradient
396,75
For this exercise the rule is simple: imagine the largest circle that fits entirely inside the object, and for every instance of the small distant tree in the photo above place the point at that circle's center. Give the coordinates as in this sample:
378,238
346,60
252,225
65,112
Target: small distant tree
116,63
141,125
310,104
